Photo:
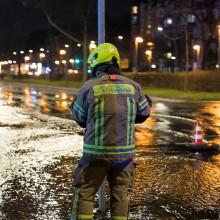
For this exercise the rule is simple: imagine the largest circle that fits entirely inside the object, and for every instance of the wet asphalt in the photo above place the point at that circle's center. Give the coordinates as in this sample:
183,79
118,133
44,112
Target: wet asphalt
41,145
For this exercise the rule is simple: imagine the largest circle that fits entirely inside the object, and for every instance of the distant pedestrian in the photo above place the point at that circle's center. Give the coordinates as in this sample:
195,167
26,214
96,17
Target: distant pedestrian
108,106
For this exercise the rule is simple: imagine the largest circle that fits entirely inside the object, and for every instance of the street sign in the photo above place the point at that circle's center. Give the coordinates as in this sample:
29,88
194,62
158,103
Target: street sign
124,63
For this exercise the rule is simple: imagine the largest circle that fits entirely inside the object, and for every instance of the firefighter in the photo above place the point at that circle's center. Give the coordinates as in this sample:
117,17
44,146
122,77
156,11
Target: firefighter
108,106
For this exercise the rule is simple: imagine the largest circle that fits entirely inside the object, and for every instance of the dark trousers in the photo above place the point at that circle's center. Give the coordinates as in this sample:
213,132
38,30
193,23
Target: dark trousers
89,178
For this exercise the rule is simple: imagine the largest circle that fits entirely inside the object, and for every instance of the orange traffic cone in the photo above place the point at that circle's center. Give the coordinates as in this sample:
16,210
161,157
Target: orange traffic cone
198,134
199,144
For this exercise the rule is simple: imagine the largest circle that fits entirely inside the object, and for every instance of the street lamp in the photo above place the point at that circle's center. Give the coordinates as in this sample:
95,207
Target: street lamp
149,54
26,58
159,28
137,40
62,52
92,45
197,48
218,47
42,55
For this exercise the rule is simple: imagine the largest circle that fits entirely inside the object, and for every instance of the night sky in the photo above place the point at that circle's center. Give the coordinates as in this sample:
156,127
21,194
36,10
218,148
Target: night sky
17,22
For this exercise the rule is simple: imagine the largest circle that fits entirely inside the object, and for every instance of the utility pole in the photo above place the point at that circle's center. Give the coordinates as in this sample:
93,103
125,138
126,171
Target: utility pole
187,46
187,55
101,39
218,47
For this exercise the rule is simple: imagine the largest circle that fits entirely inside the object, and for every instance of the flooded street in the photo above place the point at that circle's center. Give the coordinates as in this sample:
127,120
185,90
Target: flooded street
40,145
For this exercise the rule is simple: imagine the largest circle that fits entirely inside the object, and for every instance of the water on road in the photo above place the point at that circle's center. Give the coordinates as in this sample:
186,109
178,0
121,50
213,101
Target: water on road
40,145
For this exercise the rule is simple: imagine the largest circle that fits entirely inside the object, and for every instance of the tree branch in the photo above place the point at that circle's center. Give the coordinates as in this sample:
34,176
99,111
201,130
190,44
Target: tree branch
59,29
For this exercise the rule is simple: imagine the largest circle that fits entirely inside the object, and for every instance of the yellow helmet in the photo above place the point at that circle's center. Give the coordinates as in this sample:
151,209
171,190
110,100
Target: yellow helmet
104,53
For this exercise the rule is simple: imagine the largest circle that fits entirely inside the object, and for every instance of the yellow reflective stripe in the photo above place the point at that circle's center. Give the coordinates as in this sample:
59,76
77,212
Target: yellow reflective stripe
84,216
132,123
109,147
119,217
143,104
113,89
99,121
102,121
128,119
79,109
96,120
107,153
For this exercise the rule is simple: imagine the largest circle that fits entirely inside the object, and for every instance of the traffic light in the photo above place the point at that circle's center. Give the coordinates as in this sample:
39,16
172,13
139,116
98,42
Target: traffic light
77,61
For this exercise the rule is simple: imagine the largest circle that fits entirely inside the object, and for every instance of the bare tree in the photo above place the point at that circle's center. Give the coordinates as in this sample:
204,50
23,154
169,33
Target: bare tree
207,14
69,17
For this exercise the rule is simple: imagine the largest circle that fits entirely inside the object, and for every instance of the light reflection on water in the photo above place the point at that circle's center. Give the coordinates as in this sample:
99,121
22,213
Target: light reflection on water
171,183
187,185
167,186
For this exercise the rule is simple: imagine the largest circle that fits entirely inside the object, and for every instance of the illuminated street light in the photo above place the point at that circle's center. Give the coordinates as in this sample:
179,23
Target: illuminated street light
42,49
31,51
197,48
26,58
120,37
71,60
14,53
67,45
149,54
42,55
79,45
160,29
92,45
62,52
64,61
169,55
169,21
21,52
57,62
137,40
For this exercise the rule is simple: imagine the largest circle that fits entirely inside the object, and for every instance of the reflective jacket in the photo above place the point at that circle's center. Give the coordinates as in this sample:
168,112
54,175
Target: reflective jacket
108,106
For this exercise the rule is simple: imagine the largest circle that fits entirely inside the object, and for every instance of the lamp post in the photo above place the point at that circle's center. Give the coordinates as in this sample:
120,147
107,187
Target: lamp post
92,45
218,47
197,48
26,59
149,54
137,40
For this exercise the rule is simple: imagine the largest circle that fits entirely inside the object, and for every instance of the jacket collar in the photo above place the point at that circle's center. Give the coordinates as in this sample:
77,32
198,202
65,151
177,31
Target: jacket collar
107,69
